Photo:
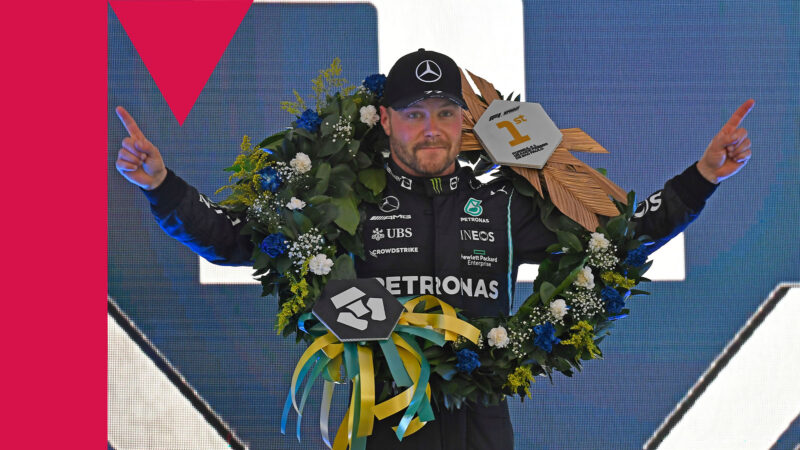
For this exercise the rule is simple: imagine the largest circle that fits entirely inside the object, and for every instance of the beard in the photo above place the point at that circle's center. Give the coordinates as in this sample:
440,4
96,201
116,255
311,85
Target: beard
423,162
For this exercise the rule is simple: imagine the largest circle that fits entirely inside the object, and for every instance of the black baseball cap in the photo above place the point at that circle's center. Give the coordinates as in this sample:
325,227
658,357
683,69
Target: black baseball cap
420,75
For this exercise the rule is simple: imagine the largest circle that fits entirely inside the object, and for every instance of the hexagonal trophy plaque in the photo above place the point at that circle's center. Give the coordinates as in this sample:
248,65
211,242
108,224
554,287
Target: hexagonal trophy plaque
517,134
358,310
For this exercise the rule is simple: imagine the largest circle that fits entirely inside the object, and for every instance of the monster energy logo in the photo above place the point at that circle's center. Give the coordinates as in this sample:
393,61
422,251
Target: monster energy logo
436,183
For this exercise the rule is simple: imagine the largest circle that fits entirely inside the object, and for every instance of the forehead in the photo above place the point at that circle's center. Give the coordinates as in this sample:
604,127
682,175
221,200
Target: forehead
431,103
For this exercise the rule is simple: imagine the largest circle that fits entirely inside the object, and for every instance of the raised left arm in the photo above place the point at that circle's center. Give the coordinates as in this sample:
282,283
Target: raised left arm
729,150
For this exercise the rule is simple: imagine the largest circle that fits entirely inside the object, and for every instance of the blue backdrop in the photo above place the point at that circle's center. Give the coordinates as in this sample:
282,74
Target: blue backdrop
651,81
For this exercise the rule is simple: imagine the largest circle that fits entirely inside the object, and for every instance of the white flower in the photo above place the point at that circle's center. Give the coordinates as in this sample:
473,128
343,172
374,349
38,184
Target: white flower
320,265
585,278
498,337
295,203
301,163
598,242
558,308
369,115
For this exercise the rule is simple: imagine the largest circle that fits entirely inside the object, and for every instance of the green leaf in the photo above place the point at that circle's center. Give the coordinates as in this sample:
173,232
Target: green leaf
373,178
353,244
342,180
328,121
638,292
631,206
363,160
329,147
523,186
347,217
353,147
303,223
547,291
343,269
349,109
261,261
273,141
446,371
282,264
632,244
287,218
562,365
318,200
568,239
322,176
616,227
288,232
322,214
568,261
552,248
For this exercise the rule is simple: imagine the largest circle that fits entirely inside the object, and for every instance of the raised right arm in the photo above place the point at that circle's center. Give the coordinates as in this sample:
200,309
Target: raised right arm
210,230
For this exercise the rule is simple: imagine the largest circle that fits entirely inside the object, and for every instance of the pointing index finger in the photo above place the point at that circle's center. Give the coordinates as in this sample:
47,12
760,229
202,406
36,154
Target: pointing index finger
738,116
129,123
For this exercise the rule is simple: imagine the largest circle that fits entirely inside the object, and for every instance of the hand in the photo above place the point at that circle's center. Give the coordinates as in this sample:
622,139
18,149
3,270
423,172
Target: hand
138,160
729,151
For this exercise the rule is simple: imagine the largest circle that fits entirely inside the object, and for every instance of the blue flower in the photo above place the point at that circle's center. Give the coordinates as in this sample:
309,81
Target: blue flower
270,179
375,84
637,257
545,336
273,245
309,120
467,361
613,300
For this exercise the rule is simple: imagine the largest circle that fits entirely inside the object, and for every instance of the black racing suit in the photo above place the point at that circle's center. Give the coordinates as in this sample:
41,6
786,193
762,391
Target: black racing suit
449,236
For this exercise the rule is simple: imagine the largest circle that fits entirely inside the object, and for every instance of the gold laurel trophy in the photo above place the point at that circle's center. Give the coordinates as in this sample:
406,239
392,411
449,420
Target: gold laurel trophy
522,136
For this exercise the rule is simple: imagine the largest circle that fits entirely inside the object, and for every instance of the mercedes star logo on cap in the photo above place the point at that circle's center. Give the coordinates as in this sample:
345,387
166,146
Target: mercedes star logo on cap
428,71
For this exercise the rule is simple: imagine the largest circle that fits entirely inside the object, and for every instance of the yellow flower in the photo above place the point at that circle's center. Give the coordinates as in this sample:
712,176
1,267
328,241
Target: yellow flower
299,287
247,164
521,378
614,277
582,339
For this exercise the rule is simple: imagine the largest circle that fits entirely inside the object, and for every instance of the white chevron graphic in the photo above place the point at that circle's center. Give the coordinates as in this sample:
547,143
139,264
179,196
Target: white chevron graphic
750,394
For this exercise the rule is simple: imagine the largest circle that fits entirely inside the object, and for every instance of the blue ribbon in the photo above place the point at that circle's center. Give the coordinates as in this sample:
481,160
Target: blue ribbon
288,405
419,396
322,361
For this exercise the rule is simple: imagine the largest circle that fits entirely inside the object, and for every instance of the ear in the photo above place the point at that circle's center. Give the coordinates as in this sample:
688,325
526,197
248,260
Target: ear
385,122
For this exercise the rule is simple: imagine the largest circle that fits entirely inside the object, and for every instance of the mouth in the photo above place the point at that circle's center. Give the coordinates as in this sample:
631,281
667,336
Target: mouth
436,146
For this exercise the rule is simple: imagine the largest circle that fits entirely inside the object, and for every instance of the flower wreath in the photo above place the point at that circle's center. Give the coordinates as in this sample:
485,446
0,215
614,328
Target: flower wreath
300,190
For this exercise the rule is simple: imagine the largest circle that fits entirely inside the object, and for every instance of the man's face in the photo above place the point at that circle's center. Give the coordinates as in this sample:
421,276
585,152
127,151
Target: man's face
424,138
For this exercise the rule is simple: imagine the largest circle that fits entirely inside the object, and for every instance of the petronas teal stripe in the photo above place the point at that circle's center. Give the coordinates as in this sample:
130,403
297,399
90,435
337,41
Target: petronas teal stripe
510,255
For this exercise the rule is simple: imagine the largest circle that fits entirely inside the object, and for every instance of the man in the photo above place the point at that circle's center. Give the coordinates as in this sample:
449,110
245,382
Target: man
434,217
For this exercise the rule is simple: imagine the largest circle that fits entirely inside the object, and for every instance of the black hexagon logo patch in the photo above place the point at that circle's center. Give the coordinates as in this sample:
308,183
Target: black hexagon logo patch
358,310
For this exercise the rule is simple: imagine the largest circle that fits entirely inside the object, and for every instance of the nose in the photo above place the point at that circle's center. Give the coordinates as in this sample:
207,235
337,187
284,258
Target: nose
431,129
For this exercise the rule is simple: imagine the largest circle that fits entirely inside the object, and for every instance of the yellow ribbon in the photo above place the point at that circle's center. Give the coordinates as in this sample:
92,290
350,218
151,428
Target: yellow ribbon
367,375
445,322
401,401
318,344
